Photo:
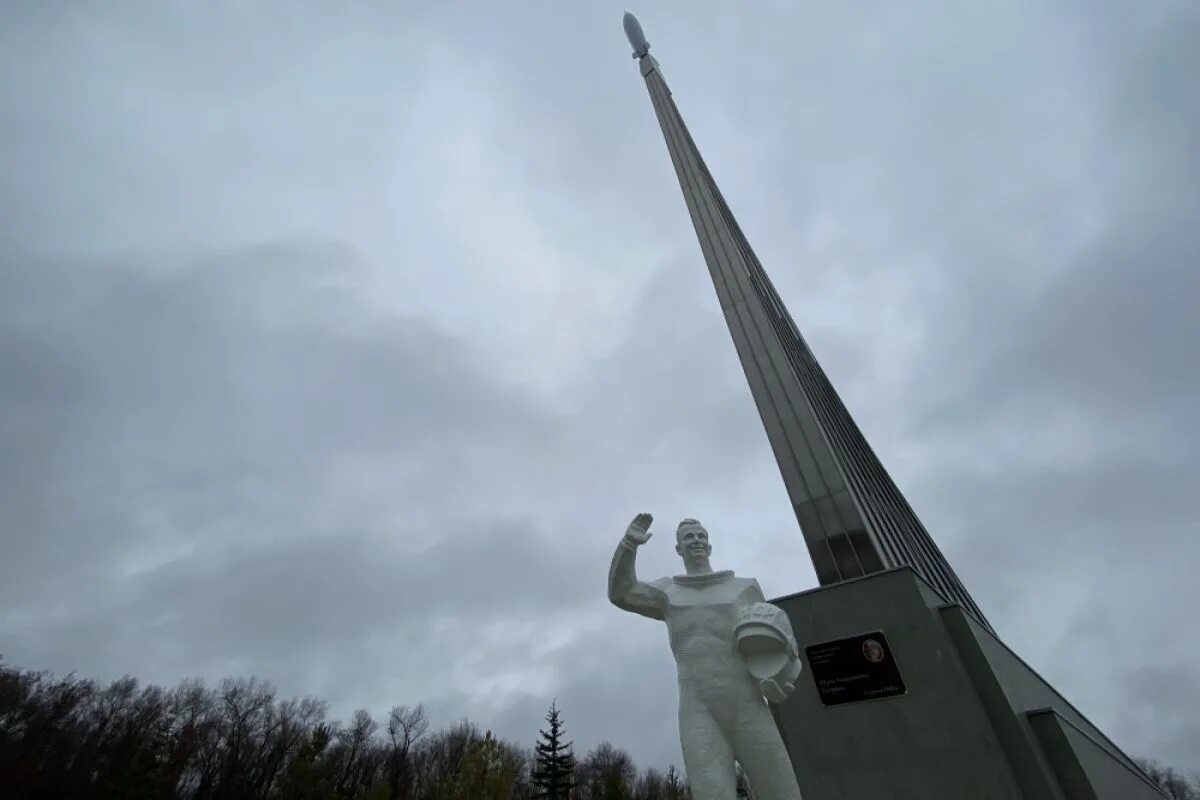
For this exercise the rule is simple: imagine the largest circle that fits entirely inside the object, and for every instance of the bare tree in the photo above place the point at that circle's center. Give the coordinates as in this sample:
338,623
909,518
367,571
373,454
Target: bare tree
488,771
675,787
608,773
406,725
354,746
1174,784
651,785
440,757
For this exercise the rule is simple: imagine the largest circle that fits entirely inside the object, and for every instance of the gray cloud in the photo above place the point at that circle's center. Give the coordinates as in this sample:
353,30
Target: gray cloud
337,346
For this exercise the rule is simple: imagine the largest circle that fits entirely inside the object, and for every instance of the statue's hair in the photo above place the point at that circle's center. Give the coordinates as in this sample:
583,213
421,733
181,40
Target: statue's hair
688,523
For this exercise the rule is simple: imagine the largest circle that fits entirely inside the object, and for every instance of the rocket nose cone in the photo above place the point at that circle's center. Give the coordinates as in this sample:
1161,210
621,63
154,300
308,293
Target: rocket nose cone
637,39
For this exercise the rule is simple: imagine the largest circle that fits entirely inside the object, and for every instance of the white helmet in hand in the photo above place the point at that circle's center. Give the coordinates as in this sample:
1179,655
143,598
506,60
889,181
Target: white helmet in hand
765,642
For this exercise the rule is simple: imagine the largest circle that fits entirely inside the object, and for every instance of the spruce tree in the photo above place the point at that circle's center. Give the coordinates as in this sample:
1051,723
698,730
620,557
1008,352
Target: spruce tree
554,761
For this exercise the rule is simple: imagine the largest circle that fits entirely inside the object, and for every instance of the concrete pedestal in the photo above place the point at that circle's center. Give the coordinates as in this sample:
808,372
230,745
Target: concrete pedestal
975,722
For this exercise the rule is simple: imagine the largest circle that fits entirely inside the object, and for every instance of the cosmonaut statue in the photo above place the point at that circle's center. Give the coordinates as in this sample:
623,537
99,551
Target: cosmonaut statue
734,652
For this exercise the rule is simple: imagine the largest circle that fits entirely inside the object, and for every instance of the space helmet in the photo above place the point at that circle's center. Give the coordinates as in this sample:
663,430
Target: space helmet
765,642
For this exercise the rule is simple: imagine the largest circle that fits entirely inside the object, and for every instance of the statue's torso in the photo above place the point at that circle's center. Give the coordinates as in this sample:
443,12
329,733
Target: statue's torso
700,617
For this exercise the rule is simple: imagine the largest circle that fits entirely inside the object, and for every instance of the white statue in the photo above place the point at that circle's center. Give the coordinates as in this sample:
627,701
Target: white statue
732,649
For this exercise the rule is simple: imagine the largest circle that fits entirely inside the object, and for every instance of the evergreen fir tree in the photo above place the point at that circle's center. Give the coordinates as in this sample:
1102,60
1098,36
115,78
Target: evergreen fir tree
554,761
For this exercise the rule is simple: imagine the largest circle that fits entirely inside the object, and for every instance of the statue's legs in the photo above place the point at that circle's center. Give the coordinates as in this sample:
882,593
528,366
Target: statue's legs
761,752
707,753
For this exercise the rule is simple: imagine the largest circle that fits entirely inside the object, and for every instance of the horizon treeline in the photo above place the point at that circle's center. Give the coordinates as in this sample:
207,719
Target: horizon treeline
70,737
67,737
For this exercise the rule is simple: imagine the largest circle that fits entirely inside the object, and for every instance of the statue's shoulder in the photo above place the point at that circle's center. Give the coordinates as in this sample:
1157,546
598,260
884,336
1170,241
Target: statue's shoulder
662,584
749,587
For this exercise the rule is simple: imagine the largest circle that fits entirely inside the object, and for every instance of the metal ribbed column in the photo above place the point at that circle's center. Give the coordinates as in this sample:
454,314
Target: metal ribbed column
854,519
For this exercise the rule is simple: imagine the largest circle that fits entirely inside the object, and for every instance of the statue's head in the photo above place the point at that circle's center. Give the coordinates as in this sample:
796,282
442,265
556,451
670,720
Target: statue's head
691,540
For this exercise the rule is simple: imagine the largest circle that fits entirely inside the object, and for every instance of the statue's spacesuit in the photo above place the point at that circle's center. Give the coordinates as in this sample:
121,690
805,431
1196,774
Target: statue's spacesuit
731,648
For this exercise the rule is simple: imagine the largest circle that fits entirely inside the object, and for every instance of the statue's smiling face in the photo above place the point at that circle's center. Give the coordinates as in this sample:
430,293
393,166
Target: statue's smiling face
691,540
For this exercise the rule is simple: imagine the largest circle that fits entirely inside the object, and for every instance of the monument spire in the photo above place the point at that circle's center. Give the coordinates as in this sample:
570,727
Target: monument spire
853,518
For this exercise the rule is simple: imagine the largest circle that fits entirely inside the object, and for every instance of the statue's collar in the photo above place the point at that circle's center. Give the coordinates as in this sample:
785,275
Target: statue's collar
706,579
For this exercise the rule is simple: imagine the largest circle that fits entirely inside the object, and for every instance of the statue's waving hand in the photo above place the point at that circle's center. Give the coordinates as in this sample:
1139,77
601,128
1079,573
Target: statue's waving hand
638,532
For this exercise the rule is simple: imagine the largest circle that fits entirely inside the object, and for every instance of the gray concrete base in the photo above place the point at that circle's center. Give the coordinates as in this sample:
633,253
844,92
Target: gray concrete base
976,723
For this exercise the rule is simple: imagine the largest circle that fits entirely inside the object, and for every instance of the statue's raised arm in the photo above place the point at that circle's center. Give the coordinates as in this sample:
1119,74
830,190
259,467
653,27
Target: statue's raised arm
624,589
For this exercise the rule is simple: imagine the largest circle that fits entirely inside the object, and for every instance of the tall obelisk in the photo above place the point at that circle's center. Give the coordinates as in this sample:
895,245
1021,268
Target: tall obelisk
854,519
909,692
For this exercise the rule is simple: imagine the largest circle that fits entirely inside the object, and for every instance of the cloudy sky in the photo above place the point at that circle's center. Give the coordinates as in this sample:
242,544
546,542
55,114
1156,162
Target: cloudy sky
339,342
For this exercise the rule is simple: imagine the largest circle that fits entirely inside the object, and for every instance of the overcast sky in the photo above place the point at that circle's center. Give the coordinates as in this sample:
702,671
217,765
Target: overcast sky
339,342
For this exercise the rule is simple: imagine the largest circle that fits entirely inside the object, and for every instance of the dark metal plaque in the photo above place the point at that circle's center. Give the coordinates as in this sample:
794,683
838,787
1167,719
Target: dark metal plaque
858,668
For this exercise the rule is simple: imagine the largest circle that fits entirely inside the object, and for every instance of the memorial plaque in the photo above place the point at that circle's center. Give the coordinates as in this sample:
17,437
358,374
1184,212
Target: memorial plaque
858,668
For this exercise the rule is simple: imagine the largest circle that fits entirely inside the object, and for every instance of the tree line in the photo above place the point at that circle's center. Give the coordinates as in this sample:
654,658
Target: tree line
72,738
66,737
1175,784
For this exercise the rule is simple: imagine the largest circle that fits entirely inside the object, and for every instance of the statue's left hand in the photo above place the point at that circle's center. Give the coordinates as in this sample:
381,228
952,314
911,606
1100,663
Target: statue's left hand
774,692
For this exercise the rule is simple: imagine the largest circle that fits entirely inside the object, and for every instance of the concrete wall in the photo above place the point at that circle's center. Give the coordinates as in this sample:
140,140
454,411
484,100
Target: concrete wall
935,741
1027,694
976,723
1027,690
1084,767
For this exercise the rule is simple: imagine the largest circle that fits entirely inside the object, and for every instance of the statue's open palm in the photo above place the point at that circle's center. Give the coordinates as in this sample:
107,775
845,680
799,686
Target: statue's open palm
638,531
